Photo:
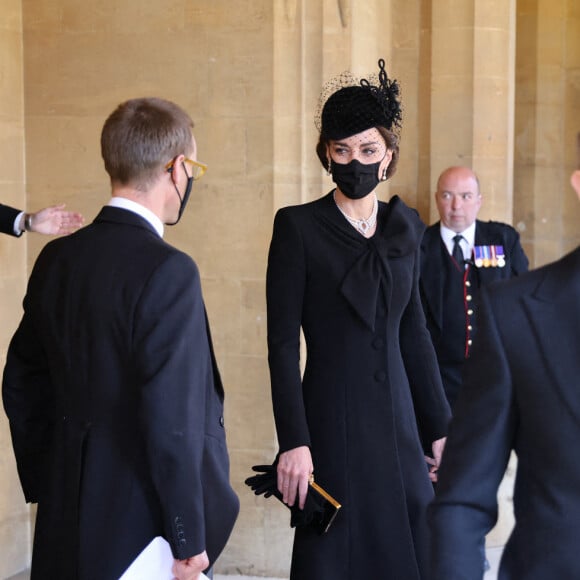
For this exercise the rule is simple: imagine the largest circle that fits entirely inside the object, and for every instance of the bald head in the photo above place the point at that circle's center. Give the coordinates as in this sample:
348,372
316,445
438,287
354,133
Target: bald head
457,197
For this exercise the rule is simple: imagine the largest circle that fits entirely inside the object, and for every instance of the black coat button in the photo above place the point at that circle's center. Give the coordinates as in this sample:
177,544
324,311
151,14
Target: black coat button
380,376
222,422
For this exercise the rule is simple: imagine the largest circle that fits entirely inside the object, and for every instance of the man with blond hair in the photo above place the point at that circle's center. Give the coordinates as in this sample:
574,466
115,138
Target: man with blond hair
111,386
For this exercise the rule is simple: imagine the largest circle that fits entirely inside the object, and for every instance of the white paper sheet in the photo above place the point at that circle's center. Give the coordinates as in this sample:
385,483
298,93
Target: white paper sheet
153,563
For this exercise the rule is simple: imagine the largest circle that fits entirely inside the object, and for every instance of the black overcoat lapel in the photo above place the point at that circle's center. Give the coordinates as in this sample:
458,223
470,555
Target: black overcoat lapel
432,273
554,313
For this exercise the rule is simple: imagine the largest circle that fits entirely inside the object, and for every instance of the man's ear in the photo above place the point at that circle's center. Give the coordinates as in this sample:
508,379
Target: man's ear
176,165
575,181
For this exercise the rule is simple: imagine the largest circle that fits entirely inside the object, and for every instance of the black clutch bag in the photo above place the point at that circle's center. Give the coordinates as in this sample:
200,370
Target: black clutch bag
320,508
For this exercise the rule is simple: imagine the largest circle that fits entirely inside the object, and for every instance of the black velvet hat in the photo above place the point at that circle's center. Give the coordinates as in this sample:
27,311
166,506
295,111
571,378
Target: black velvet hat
356,107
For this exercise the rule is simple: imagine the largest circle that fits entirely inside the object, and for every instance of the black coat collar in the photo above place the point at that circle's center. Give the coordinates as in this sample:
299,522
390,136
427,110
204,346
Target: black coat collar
399,232
123,216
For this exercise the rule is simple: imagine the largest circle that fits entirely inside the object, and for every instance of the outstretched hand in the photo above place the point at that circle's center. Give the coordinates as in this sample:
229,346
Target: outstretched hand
54,220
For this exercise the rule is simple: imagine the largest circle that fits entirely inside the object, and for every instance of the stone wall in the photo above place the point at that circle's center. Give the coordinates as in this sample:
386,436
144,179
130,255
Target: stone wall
14,513
250,73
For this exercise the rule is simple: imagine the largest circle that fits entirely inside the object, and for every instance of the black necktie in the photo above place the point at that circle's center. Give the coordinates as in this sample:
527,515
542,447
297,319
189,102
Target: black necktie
458,252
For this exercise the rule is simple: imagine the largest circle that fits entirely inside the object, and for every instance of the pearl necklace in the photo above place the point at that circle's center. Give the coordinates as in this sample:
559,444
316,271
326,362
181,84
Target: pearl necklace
364,226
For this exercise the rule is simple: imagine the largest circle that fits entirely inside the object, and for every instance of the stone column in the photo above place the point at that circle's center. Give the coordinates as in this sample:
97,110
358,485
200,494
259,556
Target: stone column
547,120
15,525
472,87
493,105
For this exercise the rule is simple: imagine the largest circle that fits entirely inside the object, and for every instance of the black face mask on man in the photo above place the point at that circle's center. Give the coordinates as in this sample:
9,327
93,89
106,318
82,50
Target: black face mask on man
355,179
183,200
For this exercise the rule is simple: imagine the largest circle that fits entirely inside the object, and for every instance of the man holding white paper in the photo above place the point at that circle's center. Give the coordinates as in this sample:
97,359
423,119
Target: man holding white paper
156,562
111,385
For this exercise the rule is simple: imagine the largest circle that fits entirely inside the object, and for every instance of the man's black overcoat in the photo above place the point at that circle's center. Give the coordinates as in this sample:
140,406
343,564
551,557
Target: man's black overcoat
521,392
370,385
116,405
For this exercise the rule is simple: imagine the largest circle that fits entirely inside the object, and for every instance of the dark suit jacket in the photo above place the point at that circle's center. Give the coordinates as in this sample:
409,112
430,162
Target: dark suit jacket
116,405
7,216
521,392
432,285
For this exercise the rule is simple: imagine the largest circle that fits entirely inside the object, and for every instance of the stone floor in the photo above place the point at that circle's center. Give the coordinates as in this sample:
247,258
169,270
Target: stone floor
493,555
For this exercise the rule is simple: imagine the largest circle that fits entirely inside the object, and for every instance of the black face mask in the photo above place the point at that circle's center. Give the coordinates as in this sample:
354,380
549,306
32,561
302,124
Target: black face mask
355,179
183,199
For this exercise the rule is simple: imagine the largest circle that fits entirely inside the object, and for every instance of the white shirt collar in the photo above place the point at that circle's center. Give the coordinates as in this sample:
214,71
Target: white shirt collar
139,209
467,243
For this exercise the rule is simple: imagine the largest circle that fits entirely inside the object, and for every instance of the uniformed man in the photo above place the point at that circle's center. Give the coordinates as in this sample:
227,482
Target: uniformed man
460,254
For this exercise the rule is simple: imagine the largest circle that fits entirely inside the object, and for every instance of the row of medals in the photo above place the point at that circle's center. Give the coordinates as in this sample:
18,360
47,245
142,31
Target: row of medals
489,256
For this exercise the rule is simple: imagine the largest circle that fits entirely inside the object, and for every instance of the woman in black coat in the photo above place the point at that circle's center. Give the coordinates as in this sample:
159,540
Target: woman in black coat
345,269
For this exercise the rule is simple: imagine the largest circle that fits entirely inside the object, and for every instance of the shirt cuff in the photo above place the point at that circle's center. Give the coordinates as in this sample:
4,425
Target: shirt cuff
16,226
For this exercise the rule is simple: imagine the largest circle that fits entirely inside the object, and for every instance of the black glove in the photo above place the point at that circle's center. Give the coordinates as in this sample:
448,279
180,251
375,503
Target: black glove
266,482
318,512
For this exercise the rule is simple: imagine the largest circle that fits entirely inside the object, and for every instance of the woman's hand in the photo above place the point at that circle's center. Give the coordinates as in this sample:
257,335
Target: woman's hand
294,470
437,448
